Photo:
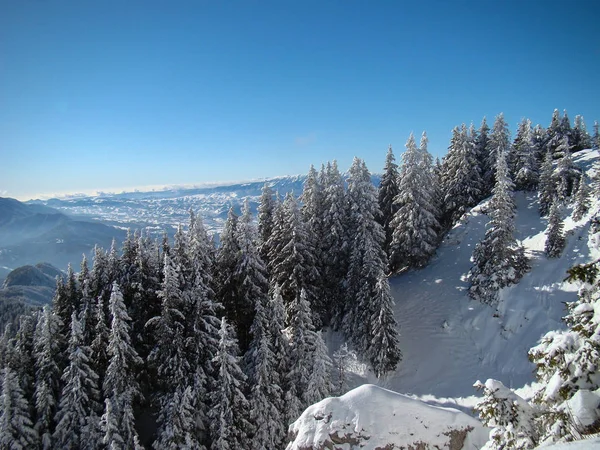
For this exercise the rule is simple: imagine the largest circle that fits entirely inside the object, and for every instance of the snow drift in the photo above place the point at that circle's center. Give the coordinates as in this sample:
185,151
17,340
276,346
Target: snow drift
371,417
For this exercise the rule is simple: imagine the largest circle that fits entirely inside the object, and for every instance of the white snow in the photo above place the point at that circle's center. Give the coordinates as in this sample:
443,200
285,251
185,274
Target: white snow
378,418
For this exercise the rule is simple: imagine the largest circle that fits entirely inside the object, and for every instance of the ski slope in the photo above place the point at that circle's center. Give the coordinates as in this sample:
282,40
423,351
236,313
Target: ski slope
449,340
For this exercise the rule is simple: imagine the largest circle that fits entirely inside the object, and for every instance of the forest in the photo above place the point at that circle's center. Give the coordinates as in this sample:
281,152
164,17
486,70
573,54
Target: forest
207,342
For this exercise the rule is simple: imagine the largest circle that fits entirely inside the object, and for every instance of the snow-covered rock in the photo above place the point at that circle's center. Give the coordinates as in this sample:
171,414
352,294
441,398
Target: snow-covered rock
370,417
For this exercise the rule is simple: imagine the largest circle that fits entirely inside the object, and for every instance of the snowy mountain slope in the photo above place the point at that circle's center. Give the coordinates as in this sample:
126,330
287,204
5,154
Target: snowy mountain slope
449,340
370,417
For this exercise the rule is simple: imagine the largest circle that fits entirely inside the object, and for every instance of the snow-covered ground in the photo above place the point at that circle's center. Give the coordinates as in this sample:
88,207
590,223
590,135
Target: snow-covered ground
371,417
449,340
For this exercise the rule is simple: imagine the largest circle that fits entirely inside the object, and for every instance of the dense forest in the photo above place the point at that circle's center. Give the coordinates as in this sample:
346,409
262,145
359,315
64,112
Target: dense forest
184,343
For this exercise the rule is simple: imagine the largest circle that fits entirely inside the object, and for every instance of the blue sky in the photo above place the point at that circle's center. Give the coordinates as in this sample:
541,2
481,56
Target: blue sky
105,95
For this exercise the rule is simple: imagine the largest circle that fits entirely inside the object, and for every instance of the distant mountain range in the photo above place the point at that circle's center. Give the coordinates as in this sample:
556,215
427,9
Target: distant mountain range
30,233
165,209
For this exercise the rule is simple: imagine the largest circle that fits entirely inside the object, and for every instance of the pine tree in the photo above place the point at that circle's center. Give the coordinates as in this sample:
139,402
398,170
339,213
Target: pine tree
581,138
16,429
319,382
498,260
547,186
120,385
230,427
178,417
388,191
481,153
77,422
414,236
555,241
582,199
47,348
554,133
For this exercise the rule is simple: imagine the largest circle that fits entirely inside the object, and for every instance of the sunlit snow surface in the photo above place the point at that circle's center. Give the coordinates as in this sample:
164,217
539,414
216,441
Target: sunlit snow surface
449,341
370,417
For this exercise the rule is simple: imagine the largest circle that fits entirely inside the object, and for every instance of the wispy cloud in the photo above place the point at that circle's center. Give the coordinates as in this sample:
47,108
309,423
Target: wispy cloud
307,139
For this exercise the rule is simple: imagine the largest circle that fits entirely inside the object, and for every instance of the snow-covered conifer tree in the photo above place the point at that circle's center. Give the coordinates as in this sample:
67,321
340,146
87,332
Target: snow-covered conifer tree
555,237
582,199
388,190
581,138
47,347
414,235
499,142
120,384
596,137
16,428
481,149
511,418
266,220
264,382
567,173
498,260
230,426
526,167
461,179
335,245
77,421
547,186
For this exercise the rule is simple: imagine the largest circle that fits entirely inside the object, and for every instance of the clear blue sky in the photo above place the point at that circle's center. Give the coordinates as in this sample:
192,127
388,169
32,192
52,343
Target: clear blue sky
103,94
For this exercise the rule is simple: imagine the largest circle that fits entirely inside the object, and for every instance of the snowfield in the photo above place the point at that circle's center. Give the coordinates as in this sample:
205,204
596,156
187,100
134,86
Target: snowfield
449,340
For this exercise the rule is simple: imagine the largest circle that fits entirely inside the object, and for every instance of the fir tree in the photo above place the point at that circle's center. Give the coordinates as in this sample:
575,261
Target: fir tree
16,429
120,385
47,348
335,245
526,169
567,174
555,240
499,142
414,236
498,260
547,186
266,220
77,422
580,137
582,199
596,137
230,427
178,417
264,381
554,133
461,180
481,153
388,191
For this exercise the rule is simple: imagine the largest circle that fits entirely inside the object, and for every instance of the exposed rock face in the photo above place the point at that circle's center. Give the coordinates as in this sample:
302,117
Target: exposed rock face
370,417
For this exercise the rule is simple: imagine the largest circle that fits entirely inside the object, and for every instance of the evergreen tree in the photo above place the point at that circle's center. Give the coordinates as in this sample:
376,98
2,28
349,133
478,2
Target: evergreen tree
77,422
582,199
16,429
596,137
227,282
388,191
294,264
264,381
526,169
120,385
366,315
498,260
461,180
567,173
335,245
179,426
511,417
499,142
554,133
266,220
384,352
319,382
414,236
481,153
555,240
580,137
547,186
230,427
47,347
566,131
